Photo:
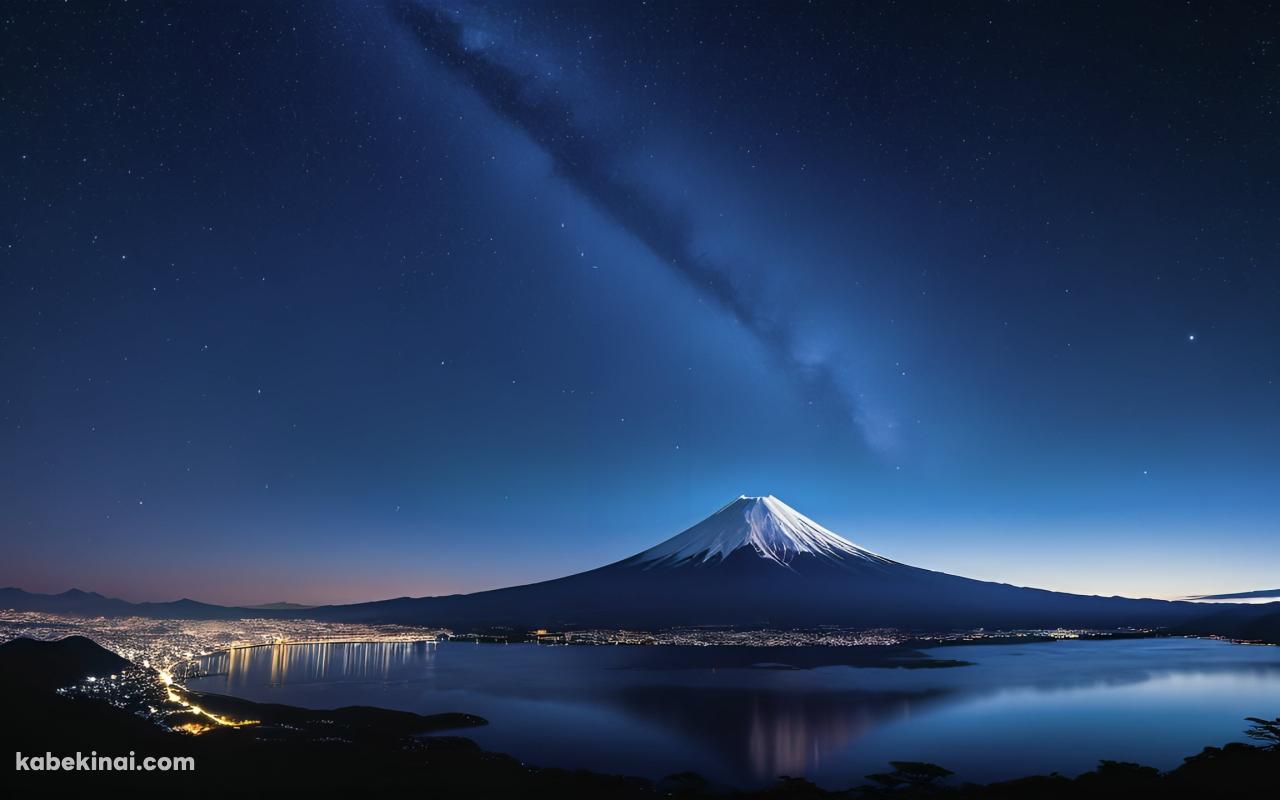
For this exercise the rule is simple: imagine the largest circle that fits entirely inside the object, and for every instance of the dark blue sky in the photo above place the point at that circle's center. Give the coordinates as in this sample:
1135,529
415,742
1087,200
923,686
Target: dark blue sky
363,300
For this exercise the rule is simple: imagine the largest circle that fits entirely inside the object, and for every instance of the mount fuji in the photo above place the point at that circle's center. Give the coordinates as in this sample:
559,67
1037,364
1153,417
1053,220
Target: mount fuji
759,562
756,562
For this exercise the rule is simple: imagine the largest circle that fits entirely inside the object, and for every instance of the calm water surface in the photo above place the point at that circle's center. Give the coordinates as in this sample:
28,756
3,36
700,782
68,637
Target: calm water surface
1020,709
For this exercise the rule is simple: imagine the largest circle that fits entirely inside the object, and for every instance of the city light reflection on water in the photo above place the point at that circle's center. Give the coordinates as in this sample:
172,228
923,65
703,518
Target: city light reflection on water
312,662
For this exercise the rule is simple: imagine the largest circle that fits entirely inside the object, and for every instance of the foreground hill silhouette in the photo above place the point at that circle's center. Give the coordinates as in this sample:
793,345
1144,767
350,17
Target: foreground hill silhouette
46,666
359,750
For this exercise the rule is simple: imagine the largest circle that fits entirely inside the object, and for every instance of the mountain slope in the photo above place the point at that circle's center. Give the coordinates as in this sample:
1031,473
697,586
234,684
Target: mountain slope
757,561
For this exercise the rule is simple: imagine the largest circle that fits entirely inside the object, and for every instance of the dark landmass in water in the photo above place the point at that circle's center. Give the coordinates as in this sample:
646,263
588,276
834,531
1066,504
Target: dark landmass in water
350,721
1259,623
783,657
374,750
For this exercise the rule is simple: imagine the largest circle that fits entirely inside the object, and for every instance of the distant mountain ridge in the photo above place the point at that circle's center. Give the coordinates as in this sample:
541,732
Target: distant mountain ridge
279,607
1260,594
92,604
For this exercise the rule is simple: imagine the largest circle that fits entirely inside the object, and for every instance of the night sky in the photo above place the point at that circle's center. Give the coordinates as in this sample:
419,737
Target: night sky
353,301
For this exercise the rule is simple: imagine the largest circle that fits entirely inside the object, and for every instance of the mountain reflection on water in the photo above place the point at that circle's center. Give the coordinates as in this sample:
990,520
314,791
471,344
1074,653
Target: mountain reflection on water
766,733
654,711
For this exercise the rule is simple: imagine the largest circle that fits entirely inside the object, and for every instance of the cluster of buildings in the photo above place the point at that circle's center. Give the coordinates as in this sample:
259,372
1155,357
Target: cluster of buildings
707,637
171,644
138,690
816,637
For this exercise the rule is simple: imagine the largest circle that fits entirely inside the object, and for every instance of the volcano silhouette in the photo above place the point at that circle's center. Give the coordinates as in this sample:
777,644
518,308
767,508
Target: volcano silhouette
759,562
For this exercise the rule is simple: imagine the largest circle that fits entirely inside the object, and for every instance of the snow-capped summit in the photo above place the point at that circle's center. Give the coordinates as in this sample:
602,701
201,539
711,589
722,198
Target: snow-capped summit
770,527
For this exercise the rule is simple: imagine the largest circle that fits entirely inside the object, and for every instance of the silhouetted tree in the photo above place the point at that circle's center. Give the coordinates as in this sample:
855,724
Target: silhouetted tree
1266,731
910,773
1119,778
684,784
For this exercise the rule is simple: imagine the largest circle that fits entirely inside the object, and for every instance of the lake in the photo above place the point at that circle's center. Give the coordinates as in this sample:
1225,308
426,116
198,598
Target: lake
1018,709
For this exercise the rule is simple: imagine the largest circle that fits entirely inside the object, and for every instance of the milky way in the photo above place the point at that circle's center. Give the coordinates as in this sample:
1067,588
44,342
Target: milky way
591,167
